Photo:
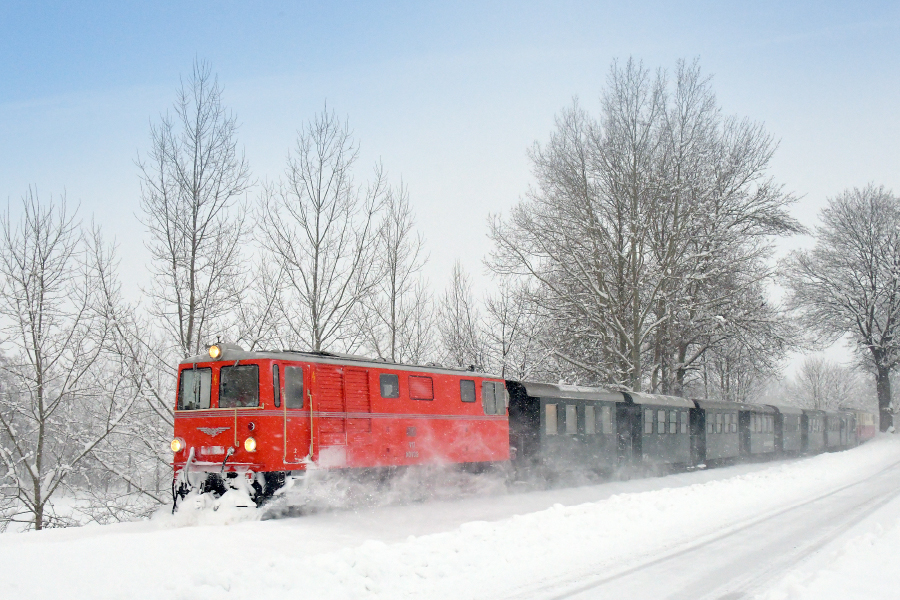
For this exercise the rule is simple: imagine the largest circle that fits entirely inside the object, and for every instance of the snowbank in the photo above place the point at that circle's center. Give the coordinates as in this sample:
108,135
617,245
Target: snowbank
514,556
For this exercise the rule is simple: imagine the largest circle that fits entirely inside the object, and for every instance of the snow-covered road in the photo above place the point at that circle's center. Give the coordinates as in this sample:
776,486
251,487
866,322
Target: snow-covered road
805,528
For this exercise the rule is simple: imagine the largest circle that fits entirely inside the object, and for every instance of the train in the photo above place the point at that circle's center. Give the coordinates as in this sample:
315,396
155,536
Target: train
254,419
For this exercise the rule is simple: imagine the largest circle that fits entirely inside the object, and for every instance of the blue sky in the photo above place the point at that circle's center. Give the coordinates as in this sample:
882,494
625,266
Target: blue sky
447,95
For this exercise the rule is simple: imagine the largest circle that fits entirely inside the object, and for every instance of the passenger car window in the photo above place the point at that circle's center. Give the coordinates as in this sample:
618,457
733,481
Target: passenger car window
683,421
710,422
390,385
606,413
239,386
467,390
193,391
719,418
590,420
673,421
734,423
421,388
550,419
660,421
571,419
648,421
293,387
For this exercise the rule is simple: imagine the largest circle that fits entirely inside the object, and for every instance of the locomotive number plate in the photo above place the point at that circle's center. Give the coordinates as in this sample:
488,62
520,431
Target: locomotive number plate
212,450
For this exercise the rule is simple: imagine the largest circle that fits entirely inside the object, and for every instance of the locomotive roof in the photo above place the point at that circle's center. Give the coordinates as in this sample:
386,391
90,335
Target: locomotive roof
574,392
232,353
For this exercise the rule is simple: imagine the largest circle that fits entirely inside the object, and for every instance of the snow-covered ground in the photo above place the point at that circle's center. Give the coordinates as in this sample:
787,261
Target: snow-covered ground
578,542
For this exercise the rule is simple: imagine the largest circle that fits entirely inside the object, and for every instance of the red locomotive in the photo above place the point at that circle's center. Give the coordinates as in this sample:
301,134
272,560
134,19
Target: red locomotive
262,415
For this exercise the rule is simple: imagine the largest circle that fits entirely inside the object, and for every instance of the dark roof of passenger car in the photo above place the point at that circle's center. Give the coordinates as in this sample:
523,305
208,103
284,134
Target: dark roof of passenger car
660,400
537,389
718,404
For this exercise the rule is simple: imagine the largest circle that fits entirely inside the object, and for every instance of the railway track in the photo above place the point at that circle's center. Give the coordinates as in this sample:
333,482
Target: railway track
740,560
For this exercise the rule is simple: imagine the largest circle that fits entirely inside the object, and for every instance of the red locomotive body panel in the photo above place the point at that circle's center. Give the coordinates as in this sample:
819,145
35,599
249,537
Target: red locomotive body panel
331,412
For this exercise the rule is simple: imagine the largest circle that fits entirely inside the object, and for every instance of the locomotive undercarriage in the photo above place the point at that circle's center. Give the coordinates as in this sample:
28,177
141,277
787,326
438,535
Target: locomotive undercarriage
205,488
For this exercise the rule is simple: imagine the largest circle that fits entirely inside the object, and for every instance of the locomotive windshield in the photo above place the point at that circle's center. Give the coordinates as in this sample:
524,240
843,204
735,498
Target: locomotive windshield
193,393
239,386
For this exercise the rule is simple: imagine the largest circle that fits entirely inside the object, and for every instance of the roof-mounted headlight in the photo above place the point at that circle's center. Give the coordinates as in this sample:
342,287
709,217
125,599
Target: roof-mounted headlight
215,351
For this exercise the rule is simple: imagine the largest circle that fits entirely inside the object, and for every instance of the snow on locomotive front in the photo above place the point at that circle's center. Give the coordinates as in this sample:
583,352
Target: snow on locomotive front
250,419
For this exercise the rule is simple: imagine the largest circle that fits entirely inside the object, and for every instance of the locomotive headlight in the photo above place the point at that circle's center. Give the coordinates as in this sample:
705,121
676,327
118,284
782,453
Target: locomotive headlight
177,445
250,445
215,352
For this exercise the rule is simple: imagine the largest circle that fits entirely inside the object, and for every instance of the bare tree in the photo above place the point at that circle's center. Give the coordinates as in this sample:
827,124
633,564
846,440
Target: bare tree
58,402
133,461
459,323
512,332
321,229
645,226
849,283
398,321
822,384
191,183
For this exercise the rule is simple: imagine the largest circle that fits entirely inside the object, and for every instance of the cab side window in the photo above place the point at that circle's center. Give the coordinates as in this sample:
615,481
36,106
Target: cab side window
390,385
467,390
276,386
293,387
493,398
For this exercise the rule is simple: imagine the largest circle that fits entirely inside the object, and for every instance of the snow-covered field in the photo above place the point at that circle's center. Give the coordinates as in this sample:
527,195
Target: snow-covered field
504,544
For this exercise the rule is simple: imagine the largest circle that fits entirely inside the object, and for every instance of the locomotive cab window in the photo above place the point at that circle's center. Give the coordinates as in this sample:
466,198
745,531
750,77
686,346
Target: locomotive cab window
390,385
421,388
276,386
293,387
193,393
239,386
493,398
467,390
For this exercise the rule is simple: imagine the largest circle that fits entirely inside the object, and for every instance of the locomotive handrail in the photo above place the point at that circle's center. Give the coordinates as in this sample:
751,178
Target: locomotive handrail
309,395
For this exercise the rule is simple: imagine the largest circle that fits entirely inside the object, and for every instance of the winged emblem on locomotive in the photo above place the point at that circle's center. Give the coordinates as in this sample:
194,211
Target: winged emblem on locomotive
212,431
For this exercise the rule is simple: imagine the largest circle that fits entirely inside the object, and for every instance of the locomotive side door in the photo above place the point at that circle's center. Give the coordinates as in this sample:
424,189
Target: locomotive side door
289,391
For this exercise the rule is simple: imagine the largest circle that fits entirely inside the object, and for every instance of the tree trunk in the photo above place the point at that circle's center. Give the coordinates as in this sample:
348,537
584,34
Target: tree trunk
883,385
